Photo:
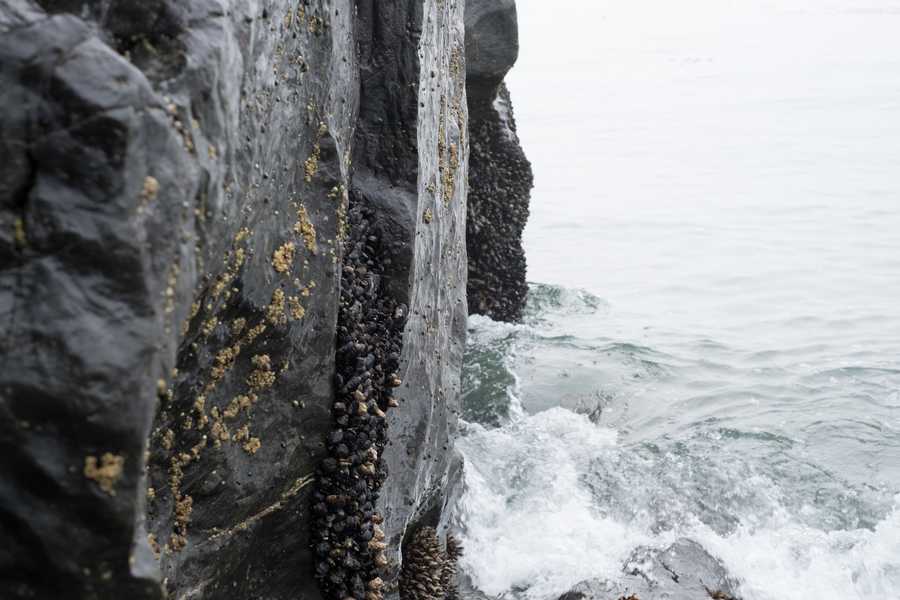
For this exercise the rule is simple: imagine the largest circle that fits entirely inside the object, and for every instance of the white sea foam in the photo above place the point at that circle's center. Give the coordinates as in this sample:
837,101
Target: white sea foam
785,558
531,527
528,522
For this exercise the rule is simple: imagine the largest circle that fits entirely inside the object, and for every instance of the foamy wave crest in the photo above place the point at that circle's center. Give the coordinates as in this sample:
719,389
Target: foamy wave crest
532,527
529,527
787,559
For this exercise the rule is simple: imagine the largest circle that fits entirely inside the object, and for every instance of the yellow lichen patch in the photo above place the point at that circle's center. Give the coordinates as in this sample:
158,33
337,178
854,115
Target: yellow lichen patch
260,380
254,333
456,62
219,430
197,448
311,165
283,257
168,439
336,192
151,188
105,472
262,361
171,284
184,506
241,434
262,377
209,325
239,403
176,542
226,277
275,311
454,157
162,391
237,326
306,229
154,545
200,412
427,217
252,445
241,235
343,228
223,362
19,233
295,308
314,24
176,474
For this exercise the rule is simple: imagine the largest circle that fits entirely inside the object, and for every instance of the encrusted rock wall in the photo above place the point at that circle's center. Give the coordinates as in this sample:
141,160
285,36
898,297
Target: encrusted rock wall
174,190
500,176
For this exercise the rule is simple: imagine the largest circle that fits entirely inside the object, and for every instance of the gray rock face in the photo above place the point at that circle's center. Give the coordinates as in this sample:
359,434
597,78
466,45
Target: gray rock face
682,571
500,176
175,185
492,40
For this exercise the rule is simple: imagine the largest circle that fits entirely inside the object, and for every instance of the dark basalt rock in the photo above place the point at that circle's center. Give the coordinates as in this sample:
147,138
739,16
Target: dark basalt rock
682,571
174,193
500,176
492,43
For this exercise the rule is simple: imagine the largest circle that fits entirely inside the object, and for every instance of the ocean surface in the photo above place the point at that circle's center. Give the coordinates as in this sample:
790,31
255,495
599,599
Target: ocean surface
712,342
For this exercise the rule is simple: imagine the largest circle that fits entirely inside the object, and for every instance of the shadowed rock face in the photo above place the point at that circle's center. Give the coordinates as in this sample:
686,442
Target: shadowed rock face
500,176
174,189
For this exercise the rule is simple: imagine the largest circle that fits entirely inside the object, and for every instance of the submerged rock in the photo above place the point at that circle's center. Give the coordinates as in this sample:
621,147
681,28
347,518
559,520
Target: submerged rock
682,571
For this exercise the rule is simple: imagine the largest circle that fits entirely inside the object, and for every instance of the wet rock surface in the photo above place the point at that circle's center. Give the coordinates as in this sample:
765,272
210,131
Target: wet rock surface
682,571
174,198
500,176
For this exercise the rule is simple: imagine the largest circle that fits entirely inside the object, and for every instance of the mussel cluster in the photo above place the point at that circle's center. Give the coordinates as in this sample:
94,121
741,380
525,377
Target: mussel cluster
346,538
500,181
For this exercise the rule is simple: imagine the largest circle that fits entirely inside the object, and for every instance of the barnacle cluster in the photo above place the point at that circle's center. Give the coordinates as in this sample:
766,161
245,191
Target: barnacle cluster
346,538
429,571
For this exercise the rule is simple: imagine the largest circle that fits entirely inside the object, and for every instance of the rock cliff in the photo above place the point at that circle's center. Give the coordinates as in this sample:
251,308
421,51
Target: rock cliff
500,177
239,240
186,187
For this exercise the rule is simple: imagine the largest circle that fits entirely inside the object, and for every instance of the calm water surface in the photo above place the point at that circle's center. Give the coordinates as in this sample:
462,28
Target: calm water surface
712,345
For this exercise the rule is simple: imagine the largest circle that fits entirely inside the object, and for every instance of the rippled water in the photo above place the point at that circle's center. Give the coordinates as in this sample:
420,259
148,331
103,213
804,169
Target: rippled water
715,352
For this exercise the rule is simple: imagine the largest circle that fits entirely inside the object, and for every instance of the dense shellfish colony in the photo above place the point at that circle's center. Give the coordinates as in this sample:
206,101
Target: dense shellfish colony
429,571
346,537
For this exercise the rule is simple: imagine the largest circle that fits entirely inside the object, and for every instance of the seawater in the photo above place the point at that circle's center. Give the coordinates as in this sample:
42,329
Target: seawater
713,350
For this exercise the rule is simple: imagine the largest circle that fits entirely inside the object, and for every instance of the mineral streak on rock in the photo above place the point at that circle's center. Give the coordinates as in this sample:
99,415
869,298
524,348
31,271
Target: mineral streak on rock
500,176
